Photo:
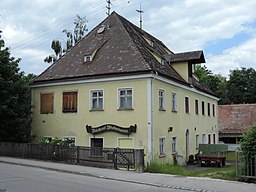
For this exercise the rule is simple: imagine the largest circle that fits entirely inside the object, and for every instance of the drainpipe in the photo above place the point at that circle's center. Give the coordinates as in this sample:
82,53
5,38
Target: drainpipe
150,117
150,123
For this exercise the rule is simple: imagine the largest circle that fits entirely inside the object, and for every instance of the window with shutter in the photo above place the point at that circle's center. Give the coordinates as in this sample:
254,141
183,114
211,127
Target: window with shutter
69,104
46,103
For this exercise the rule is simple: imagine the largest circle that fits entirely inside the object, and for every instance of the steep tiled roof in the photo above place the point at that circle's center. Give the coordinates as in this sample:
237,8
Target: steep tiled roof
118,47
236,119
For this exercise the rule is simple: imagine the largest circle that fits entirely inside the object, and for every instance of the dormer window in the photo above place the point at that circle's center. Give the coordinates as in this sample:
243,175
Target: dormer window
151,43
162,61
87,58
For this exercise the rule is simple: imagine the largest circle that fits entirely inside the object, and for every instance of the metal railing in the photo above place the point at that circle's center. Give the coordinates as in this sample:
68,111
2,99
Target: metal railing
246,164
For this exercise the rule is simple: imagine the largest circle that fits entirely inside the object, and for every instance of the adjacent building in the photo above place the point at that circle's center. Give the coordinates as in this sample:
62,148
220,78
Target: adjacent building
122,87
235,120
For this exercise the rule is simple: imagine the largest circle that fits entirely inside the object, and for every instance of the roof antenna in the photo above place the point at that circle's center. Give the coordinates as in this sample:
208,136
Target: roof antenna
108,7
140,11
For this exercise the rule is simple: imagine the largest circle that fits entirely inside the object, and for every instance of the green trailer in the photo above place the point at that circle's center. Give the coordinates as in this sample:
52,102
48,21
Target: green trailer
212,154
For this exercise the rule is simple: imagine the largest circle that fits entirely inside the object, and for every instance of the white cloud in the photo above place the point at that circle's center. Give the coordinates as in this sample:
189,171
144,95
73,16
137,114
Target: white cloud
182,25
241,56
191,24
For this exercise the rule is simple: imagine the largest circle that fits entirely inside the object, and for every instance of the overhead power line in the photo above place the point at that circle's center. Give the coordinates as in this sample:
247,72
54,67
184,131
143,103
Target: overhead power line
92,13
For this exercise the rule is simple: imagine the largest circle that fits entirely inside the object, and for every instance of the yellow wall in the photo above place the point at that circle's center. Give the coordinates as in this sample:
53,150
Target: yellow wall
61,124
181,121
182,69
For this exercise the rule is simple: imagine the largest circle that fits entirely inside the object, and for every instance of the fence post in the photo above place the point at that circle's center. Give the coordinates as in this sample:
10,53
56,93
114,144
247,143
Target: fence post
115,158
237,163
139,160
77,154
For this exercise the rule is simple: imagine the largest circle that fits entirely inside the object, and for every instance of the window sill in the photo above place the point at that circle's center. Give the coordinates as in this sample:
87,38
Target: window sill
92,110
161,109
125,109
46,113
174,111
162,155
69,111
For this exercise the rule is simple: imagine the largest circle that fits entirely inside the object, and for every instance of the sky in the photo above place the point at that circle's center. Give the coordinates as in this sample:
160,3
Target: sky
224,30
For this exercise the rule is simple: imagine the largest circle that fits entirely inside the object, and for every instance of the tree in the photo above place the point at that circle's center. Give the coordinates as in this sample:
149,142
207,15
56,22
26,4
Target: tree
15,101
215,83
241,87
248,146
72,39
248,141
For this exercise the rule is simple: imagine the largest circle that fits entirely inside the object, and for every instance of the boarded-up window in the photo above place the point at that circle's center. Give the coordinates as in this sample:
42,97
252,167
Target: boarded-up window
69,104
46,105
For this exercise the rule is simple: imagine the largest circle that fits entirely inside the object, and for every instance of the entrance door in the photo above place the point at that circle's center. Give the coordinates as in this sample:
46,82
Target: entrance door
187,144
96,146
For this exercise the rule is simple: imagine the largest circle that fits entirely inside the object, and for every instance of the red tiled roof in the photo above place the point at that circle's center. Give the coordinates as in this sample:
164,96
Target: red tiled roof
236,119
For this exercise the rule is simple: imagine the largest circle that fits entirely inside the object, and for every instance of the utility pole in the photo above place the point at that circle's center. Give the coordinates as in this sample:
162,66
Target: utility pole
140,12
108,7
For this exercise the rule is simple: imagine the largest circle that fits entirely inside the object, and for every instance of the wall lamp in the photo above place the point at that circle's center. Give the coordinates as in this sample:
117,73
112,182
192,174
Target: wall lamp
170,129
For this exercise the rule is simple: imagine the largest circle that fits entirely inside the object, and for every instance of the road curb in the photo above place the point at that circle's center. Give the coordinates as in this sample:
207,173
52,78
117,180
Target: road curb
109,178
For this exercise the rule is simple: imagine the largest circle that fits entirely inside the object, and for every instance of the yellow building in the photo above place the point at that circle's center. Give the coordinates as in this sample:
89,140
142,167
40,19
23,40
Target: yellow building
121,87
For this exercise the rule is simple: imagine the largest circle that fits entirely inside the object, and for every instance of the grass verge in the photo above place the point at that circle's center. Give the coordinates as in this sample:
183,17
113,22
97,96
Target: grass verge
226,173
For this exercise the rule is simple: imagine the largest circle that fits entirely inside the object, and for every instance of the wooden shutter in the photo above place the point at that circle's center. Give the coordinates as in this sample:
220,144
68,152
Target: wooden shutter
46,103
69,102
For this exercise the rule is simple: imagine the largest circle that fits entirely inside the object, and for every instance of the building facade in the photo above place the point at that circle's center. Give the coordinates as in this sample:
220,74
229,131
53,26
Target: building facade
121,87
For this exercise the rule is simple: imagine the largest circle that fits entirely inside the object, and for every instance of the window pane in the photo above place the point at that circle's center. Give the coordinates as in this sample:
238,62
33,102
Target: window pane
100,93
94,94
100,103
122,92
129,92
122,102
129,102
94,103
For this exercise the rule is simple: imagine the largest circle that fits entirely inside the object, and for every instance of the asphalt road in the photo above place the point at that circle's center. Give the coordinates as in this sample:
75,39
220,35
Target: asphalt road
16,178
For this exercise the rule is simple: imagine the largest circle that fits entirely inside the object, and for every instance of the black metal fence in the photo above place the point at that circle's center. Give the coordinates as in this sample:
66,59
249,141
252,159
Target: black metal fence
98,157
246,164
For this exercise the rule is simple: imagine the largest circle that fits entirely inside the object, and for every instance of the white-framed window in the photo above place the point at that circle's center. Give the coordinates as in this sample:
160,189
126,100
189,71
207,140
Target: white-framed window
125,142
161,94
209,109
204,139
97,99
196,107
174,144
96,146
186,104
203,108
125,98
197,141
213,110
214,139
174,102
87,58
209,138
162,146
